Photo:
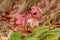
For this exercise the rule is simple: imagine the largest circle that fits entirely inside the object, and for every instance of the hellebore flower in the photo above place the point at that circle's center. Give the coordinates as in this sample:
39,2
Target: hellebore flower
33,23
18,17
35,9
36,12
29,16
23,21
20,20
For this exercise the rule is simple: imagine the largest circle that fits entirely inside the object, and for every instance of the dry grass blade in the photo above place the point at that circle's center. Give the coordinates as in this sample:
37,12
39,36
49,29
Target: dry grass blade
47,3
4,5
22,7
52,2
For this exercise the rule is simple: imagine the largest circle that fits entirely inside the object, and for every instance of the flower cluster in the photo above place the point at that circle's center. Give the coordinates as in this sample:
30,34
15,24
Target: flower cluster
30,19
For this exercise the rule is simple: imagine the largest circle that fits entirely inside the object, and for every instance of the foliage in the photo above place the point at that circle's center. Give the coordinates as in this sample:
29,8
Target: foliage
43,33
15,36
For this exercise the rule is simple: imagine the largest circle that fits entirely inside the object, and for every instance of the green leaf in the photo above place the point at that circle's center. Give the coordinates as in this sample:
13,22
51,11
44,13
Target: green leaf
50,37
53,34
32,38
15,36
43,33
35,34
40,30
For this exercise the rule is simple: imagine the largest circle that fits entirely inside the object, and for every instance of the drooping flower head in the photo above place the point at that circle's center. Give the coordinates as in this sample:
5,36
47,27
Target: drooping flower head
36,11
18,17
20,20
32,23
29,16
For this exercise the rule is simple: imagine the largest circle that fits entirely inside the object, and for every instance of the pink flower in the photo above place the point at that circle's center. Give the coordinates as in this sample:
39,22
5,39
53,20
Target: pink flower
23,24
33,9
29,16
18,22
37,16
21,20
36,12
33,22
